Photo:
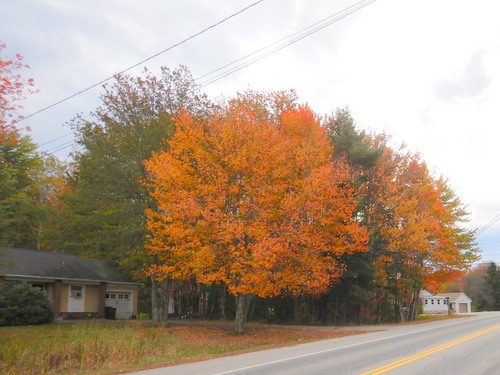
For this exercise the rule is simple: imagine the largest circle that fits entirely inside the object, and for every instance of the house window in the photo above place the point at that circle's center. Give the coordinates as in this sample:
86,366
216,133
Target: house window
107,295
126,296
426,301
438,301
76,291
445,302
432,302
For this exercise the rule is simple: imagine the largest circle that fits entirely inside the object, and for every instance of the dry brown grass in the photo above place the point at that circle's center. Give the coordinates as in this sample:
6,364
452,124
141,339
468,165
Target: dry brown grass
107,347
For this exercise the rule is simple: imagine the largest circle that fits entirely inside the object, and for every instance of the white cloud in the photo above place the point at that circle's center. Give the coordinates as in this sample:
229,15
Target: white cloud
425,72
471,83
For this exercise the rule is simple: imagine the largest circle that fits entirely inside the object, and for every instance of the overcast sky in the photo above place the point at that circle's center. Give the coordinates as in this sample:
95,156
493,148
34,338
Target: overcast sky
426,72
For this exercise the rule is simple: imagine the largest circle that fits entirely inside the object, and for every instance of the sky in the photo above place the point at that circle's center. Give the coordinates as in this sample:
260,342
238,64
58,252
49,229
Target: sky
425,72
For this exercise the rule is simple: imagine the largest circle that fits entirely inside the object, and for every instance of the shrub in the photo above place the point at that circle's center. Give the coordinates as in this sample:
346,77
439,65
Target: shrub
22,304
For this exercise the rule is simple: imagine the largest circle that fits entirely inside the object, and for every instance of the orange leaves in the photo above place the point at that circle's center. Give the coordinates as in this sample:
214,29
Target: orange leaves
417,219
252,199
9,134
12,89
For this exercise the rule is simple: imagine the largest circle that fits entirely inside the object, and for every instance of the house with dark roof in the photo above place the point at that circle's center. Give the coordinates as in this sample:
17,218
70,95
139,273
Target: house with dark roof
77,287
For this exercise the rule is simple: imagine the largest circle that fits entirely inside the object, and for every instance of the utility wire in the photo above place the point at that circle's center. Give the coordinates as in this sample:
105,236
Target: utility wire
279,41
56,139
278,45
141,62
61,147
282,43
495,254
489,224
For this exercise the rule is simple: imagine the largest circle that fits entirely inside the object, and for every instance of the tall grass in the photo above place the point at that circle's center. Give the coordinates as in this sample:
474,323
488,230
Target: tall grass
104,347
84,346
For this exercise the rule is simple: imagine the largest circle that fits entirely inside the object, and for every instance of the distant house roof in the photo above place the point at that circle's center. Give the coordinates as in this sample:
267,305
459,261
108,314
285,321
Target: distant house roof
426,294
452,296
51,265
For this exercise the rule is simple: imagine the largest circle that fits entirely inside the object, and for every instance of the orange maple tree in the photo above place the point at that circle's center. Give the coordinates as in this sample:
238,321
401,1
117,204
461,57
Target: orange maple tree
252,199
12,89
418,219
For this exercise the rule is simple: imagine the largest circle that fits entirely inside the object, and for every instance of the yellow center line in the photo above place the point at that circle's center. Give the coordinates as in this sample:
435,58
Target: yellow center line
414,357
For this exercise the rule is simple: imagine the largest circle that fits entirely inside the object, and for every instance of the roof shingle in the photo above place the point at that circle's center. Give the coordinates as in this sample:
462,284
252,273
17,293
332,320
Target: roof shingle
53,265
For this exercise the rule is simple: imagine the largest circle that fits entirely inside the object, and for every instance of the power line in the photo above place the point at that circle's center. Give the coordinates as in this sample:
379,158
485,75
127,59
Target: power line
283,43
141,62
489,224
61,147
278,45
56,139
281,40
490,243
483,263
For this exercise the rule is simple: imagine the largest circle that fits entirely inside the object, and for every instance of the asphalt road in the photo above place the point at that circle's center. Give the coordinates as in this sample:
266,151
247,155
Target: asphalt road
456,346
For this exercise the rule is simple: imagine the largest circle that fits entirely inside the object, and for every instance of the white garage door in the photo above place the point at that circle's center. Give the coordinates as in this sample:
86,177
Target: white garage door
462,308
122,302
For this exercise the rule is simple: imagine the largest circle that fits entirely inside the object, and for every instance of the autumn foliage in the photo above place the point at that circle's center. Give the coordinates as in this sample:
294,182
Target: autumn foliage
417,219
12,89
253,202
257,196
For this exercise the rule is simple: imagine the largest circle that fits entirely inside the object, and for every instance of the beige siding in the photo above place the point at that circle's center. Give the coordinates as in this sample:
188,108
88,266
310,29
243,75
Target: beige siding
91,293
91,298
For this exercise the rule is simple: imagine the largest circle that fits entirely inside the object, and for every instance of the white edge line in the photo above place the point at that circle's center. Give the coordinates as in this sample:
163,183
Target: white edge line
333,349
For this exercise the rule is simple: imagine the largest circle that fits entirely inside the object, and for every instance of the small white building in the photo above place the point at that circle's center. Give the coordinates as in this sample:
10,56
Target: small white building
460,302
441,303
434,304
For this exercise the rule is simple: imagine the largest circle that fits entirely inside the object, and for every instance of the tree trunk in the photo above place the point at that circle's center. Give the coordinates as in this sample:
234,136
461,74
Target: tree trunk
39,235
414,304
223,302
160,293
336,311
242,306
296,309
